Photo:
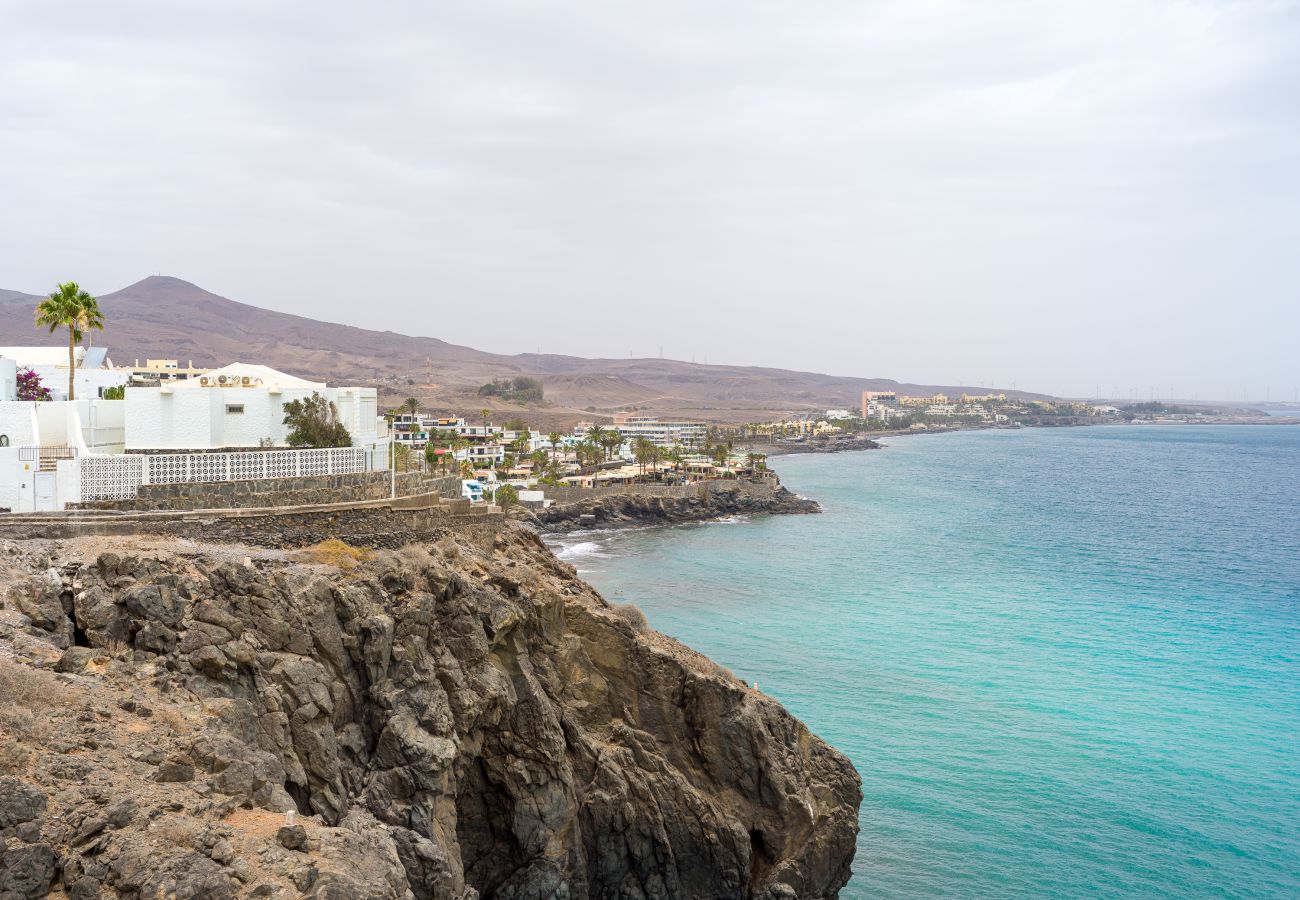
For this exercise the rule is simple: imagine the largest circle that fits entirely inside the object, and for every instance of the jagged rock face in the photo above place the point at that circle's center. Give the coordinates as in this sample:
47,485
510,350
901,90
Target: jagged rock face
455,721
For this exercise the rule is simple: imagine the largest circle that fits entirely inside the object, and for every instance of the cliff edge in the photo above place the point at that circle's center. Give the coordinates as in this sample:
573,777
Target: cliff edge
457,719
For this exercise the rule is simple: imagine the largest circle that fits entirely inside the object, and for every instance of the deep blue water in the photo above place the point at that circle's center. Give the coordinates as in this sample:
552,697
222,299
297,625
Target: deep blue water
1065,662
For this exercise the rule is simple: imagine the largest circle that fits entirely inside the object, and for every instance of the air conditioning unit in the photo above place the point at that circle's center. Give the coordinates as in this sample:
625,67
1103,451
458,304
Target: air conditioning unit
247,381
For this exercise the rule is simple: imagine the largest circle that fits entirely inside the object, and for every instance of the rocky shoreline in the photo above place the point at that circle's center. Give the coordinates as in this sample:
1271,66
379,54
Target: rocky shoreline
840,445
712,501
457,719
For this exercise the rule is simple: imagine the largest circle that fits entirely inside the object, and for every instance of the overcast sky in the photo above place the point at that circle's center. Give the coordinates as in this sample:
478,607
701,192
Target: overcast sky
1064,195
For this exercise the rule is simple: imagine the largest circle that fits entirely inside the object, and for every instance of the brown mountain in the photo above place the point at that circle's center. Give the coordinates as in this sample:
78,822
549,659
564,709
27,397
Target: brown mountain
164,317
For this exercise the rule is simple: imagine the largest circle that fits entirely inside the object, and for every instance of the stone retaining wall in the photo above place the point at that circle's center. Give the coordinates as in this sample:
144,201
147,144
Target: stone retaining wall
272,492
389,525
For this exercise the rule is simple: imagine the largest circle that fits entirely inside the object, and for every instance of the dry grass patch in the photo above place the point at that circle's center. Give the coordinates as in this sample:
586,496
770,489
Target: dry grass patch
632,615
333,552
178,831
26,697
173,718
415,556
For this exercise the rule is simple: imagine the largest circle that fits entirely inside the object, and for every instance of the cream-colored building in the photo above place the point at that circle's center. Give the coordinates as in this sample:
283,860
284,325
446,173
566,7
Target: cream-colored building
161,371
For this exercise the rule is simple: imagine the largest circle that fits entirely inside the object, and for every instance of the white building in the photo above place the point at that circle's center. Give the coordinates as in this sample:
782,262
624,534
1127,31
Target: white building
238,406
94,370
659,433
57,452
40,441
489,454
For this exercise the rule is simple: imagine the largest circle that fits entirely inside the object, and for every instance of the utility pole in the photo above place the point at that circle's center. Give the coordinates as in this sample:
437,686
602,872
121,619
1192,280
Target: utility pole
392,465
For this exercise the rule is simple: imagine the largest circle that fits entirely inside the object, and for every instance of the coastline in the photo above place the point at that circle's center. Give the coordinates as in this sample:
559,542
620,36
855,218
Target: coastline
871,441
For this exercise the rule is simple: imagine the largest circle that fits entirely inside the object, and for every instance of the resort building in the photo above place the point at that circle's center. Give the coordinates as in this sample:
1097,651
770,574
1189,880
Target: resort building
872,401
661,434
238,406
939,399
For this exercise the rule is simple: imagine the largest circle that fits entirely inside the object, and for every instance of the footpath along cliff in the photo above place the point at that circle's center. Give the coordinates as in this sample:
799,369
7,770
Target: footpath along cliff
460,718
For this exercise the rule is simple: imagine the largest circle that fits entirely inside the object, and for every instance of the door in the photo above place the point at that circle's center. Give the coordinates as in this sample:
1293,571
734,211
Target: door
46,499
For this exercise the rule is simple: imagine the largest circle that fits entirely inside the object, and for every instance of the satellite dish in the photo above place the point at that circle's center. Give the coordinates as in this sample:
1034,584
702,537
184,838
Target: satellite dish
204,381
222,379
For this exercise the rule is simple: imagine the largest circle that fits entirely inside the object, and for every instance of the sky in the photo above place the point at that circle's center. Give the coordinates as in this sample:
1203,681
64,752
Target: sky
1080,198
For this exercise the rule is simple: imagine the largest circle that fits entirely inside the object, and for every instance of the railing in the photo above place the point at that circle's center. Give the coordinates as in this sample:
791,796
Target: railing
185,468
119,476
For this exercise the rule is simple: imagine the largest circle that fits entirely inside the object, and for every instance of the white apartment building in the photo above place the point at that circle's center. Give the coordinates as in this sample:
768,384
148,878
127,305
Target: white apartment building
660,433
238,406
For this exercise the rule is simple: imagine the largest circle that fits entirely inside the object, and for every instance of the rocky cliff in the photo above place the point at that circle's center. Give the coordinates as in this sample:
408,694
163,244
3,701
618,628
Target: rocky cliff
711,501
457,719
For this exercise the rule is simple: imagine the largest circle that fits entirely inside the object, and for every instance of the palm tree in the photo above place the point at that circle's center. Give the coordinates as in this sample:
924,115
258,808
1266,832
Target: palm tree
589,454
596,435
485,412
613,440
554,438
412,406
643,450
72,308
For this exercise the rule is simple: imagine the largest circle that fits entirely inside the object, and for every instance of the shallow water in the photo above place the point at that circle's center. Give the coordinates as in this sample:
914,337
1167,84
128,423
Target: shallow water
1065,662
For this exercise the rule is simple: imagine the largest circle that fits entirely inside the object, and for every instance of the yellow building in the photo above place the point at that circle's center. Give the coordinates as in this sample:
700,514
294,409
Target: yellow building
939,399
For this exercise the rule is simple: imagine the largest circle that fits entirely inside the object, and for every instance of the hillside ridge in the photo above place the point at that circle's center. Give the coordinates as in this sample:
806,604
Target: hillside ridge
167,317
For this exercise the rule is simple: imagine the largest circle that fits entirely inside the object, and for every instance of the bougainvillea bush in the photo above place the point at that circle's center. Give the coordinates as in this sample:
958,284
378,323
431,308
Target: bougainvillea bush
30,387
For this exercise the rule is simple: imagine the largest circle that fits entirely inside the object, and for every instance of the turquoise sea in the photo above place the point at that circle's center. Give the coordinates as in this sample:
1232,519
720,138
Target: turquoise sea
1065,662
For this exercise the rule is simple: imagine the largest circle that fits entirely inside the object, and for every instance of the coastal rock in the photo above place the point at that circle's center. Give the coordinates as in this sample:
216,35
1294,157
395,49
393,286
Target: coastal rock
456,719
709,500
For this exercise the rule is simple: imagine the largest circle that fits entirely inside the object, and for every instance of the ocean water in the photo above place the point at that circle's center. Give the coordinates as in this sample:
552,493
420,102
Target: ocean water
1065,662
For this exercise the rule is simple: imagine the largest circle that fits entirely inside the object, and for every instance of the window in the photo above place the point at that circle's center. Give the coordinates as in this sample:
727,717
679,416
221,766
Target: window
234,409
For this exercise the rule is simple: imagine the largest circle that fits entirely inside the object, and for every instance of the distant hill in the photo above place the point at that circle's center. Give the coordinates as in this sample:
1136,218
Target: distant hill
164,317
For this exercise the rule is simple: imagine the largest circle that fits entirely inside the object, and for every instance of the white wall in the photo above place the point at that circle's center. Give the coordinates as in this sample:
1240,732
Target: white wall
18,422
88,383
52,421
8,380
15,481
103,425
